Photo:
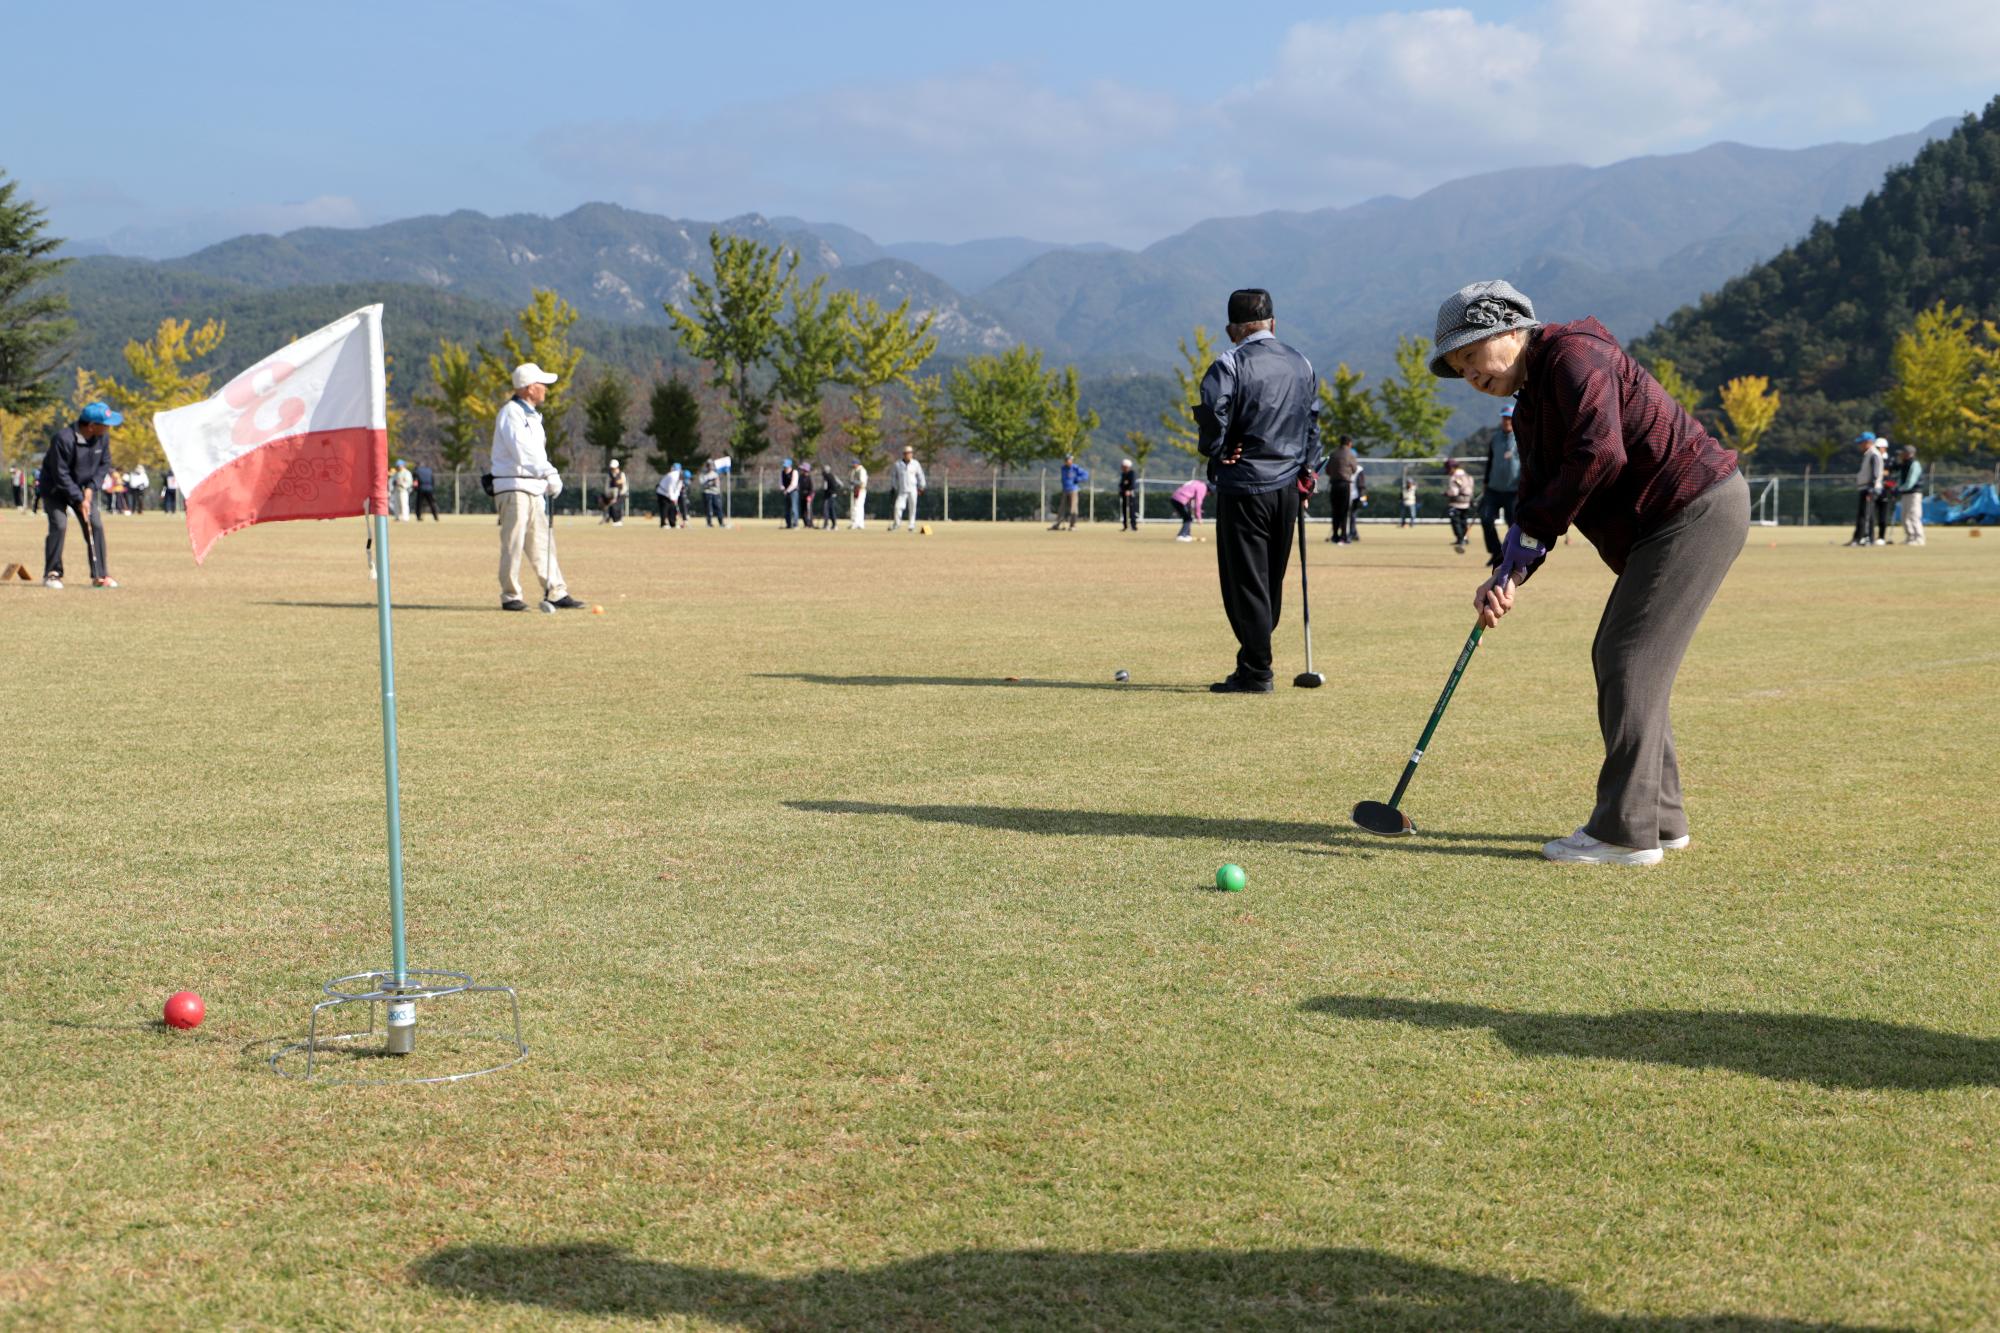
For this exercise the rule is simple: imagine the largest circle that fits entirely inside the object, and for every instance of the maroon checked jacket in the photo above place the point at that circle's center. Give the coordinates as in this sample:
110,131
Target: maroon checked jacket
1602,445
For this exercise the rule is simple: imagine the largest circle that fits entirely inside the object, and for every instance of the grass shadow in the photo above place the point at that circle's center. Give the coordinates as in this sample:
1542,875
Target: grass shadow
996,682
370,606
1851,1054
1050,1289
1116,824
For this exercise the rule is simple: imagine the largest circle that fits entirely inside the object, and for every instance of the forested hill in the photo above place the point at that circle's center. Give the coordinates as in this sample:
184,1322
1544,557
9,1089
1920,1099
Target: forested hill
1821,318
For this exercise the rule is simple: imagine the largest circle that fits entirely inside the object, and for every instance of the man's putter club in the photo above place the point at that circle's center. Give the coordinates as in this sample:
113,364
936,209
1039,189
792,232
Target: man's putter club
1307,679
548,552
1387,820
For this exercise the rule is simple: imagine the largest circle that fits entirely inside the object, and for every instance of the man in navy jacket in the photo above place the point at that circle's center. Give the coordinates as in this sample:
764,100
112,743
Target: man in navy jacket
72,475
1259,420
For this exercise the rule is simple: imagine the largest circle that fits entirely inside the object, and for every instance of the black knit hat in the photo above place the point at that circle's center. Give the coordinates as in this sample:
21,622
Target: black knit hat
1249,305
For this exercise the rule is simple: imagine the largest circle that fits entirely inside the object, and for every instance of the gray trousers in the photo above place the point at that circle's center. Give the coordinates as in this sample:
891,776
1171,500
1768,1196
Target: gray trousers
1649,620
52,548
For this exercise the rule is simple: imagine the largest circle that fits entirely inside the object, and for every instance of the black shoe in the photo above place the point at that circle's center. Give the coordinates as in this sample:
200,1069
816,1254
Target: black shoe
1234,684
569,603
513,604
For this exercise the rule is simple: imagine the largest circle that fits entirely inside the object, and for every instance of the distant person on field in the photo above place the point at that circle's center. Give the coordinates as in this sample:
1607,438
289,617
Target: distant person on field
1457,501
71,481
427,494
1408,518
137,483
711,496
1910,489
1128,497
806,493
525,484
1886,501
857,506
907,476
111,492
401,482
1186,502
1341,466
667,496
788,486
830,493
1073,477
170,494
1868,479
35,491
1259,424
1357,500
1503,483
616,491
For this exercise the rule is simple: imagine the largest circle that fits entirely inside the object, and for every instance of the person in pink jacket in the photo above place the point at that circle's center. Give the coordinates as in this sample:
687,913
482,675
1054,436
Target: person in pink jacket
1187,503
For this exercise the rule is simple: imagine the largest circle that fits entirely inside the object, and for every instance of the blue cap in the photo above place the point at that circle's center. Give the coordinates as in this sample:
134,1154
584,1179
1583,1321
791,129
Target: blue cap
1865,437
788,462
99,413
1507,411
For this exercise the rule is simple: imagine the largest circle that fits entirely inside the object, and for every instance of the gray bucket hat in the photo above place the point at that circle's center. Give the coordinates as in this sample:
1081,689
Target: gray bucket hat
1478,310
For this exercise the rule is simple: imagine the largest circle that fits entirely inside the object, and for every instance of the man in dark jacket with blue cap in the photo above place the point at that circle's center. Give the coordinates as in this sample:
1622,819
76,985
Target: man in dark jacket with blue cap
72,475
1259,420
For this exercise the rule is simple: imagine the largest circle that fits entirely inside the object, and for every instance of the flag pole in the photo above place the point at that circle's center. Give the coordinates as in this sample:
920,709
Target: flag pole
399,958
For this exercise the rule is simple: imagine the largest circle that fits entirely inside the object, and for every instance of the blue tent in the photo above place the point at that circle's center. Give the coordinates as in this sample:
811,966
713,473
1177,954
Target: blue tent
1977,504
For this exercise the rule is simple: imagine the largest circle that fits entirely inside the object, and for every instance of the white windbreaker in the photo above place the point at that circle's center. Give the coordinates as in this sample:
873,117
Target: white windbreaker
909,477
520,450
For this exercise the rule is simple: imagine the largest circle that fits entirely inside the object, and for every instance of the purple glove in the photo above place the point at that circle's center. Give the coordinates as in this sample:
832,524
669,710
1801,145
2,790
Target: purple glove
1519,556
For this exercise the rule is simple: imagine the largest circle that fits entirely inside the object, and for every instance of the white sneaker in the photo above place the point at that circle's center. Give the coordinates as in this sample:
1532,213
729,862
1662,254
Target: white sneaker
1183,539
1580,848
52,582
1679,844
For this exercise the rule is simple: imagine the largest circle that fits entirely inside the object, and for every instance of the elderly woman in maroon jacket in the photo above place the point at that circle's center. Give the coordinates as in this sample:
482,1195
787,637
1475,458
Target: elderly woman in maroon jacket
1605,449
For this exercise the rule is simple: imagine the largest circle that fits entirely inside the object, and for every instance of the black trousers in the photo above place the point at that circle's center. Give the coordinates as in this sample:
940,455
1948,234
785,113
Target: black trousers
1460,521
427,499
1128,508
1336,491
1492,505
52,549
1864,516
1253,548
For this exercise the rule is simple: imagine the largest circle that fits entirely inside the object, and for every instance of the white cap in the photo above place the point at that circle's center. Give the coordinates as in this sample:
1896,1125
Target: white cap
614,465
529,373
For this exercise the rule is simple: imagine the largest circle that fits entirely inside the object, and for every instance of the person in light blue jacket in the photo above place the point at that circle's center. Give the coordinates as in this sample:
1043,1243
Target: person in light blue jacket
1073,477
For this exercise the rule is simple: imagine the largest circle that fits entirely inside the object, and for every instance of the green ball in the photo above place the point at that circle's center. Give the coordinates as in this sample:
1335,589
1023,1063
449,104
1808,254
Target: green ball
1231,879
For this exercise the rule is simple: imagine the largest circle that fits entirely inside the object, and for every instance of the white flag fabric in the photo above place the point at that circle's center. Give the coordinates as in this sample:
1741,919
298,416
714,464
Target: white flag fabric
301,434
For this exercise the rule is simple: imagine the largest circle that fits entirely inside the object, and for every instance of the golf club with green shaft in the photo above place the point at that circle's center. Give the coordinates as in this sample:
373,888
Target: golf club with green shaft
1387,820
1307,679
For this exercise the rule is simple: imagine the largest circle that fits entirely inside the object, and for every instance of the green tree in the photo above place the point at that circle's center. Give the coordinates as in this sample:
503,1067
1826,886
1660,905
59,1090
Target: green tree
1934,363
1178,422
1413,414
1749,405
884,347
458,400
545,340
1065,424
1677,385
933,429
1982,406
34,323
604,408
674,424
810,347
733,324
1140,445
1348,409
161,380
1000,401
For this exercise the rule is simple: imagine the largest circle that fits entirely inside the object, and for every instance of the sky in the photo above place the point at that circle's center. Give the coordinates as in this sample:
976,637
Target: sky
1091,120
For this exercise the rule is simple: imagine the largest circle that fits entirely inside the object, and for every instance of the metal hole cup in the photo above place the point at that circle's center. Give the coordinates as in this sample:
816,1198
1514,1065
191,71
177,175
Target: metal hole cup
400,1002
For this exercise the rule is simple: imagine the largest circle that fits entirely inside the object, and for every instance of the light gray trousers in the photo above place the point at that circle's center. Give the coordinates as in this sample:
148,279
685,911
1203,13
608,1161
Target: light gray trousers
1649,620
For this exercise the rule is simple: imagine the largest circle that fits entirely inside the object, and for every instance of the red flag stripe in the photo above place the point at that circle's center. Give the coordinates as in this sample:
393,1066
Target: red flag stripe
321,474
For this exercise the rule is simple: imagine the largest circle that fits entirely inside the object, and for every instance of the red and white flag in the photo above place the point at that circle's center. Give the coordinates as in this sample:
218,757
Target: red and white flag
304,433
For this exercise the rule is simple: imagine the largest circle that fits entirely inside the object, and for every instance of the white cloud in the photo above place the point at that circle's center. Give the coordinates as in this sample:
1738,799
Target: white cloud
1392,102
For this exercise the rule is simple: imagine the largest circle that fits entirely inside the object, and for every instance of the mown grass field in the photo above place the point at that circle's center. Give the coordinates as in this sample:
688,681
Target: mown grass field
867,988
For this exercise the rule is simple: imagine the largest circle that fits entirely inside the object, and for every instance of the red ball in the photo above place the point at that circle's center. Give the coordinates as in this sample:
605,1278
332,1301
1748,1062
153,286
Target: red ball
184,1010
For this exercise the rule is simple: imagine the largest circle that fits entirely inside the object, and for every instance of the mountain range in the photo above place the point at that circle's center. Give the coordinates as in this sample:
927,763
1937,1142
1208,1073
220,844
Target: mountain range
1630,243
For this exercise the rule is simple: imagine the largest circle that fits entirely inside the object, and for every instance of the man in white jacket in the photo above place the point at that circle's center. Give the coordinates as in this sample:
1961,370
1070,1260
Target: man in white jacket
908,475
523,480
857,487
